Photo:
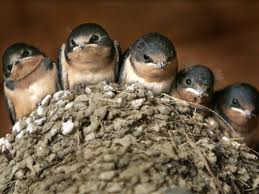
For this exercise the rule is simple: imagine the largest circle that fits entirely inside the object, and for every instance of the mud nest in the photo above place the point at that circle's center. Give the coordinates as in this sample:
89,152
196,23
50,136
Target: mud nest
122,140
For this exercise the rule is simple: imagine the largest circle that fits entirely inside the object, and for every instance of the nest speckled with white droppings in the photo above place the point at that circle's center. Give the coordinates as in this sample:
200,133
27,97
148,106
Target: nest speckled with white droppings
121,140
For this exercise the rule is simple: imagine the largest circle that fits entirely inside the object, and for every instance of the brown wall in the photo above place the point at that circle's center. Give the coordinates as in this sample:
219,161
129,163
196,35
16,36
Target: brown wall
224,36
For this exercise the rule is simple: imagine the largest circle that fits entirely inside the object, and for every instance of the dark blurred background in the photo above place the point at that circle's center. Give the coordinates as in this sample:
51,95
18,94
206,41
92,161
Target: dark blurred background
222,35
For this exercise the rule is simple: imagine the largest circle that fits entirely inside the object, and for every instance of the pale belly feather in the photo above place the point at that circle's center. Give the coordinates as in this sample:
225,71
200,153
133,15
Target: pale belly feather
76,77
25,100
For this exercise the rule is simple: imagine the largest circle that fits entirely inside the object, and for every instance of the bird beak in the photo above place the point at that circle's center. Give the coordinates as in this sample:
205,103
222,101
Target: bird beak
81,46
162,65
197,92
16,62
247,113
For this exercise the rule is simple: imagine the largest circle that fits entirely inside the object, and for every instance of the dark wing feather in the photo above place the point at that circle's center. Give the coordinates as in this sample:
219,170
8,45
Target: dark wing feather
214,100
10,108
122,64
59,67
118,59
59,83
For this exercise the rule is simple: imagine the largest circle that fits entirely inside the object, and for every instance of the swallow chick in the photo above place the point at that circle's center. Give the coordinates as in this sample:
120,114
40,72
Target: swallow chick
89,56
238,104
28,77
194,84
150,61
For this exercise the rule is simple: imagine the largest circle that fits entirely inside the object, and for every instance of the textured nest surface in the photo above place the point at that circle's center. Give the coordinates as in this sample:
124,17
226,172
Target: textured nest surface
122,140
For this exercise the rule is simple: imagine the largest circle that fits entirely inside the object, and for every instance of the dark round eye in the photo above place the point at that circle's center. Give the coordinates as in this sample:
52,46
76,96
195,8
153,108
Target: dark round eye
9,67
94,38
73,43
235,101
147,58
188,81
25,53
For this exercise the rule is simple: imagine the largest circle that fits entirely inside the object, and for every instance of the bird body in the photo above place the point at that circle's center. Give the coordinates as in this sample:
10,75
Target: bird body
89,56
151,61
28,77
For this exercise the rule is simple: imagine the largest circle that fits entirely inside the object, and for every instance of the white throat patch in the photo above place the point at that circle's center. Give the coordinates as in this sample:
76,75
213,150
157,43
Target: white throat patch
196,92
244,112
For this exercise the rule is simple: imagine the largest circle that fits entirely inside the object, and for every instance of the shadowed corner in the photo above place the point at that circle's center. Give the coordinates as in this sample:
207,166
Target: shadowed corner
5,124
